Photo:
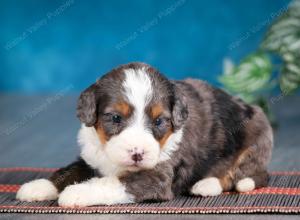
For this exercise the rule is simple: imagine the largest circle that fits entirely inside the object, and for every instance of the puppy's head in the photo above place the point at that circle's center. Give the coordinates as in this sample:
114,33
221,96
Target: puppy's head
135,111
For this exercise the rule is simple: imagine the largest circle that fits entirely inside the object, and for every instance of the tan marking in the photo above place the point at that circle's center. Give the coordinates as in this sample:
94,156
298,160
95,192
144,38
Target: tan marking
123,108
156,111
101,134
228,179
242,156
163,140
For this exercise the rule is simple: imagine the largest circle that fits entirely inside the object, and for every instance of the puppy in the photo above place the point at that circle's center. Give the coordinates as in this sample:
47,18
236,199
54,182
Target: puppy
147,138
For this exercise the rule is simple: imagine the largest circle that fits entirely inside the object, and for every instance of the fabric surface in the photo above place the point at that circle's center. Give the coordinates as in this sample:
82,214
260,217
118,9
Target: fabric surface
281,196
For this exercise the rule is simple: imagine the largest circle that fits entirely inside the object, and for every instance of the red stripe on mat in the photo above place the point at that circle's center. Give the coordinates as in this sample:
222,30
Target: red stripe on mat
9,188
38,169
30,169
271,190
265,190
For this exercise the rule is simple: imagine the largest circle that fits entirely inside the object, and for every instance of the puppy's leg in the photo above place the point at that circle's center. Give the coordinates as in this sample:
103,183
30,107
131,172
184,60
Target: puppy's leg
248,168
96,191
246,173
76,172
131,187
155,185
48,189
210,186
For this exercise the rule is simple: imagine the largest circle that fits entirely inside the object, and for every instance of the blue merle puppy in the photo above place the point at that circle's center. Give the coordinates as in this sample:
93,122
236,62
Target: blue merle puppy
147,138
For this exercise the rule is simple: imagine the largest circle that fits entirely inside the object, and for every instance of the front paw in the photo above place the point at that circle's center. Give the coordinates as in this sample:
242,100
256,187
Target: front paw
37,190
96,191
78,195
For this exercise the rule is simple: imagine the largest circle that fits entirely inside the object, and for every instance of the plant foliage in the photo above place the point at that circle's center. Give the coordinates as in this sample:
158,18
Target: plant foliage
253,74
283,39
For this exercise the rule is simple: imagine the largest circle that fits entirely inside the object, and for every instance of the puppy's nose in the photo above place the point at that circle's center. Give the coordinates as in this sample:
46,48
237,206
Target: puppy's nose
137,157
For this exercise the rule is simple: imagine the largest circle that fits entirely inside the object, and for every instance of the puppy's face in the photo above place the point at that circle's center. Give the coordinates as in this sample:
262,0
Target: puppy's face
135,110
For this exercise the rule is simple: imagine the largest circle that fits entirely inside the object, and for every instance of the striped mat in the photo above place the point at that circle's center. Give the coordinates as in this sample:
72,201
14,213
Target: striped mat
281,196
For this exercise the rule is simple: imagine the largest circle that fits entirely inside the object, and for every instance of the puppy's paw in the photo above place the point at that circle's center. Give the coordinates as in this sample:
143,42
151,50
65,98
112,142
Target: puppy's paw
245,185
96,191
207,187
37,190
78,195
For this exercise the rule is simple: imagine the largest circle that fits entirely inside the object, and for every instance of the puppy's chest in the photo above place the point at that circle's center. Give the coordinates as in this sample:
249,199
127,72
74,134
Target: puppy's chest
103,165
107,168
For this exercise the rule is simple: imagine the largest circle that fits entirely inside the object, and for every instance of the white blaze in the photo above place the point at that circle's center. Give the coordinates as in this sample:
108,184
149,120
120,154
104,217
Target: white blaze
138,90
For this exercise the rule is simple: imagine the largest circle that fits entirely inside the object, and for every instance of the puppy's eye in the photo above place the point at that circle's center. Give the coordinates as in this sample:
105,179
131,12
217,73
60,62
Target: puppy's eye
158,122
116,119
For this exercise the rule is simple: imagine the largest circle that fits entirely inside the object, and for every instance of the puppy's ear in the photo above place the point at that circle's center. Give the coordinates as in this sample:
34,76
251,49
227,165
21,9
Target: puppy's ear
87,106
180,109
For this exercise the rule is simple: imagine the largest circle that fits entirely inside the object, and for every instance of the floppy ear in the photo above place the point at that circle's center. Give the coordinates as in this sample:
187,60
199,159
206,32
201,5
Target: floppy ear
87,106
180,110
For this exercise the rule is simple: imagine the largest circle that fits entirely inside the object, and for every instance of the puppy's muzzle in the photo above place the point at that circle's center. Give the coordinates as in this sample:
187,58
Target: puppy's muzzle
136,155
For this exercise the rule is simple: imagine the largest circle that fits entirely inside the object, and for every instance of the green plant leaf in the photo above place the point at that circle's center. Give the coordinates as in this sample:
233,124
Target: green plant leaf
251,75
283,39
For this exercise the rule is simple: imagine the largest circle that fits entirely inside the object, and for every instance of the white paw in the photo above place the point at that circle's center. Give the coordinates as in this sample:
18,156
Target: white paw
37,190
77,195
207,187
245,185
96,191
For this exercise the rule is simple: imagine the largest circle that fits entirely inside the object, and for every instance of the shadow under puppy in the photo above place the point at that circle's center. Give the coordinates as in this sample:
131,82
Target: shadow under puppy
144,137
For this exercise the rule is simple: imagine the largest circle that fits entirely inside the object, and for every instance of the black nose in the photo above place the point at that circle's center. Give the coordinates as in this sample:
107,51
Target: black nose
137,157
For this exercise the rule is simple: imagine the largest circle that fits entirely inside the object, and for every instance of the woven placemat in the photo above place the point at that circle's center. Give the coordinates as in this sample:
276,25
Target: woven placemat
281,196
